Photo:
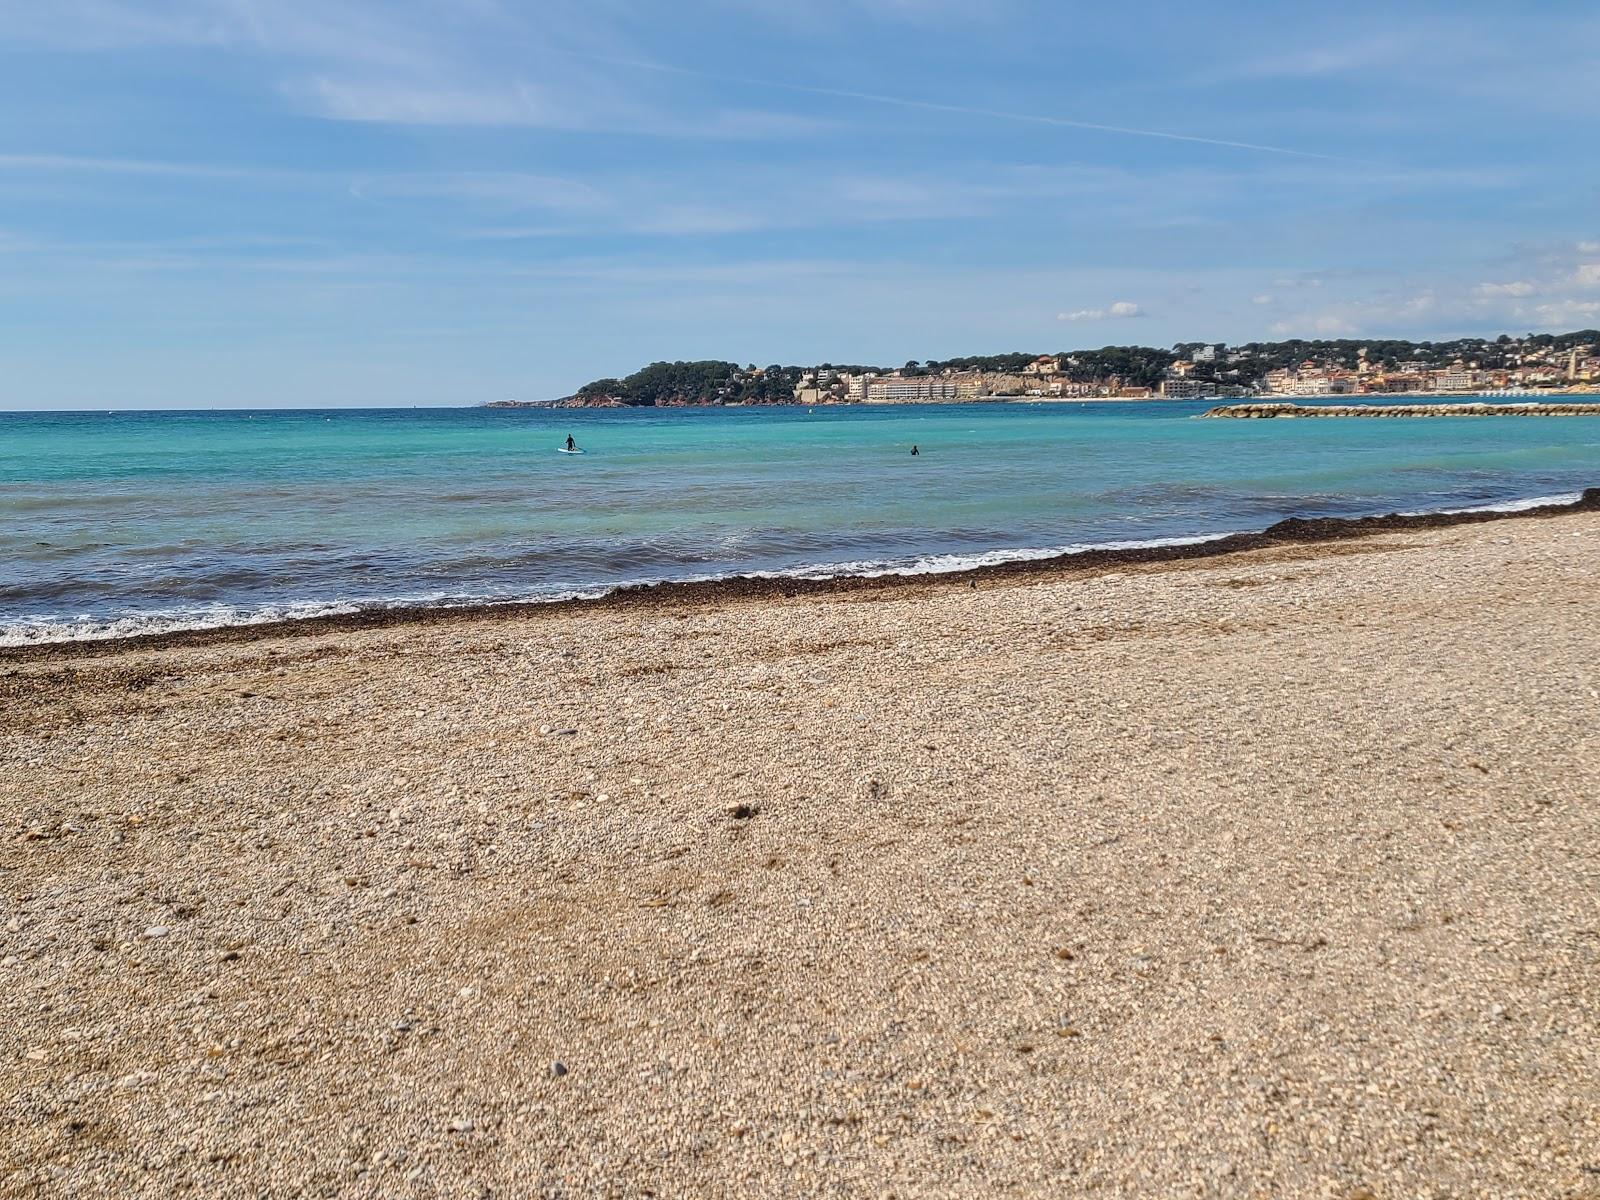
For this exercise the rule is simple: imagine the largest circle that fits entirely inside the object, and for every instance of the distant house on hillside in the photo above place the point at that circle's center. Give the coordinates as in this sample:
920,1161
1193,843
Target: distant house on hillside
1043,365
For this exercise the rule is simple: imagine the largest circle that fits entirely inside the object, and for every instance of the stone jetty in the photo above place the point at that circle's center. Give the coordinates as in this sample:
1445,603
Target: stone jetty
1278,408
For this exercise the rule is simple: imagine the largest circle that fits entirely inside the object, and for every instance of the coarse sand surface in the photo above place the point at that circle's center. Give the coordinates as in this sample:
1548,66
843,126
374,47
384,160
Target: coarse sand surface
1269,874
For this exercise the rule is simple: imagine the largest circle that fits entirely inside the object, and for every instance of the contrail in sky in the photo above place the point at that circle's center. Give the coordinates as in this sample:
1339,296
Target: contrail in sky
960,109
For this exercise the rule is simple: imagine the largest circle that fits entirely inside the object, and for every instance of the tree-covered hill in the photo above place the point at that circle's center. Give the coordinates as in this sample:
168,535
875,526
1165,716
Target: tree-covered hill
709,381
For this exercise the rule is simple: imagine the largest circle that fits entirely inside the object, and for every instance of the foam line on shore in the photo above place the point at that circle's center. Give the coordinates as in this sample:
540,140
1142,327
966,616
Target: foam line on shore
305,619
1510,506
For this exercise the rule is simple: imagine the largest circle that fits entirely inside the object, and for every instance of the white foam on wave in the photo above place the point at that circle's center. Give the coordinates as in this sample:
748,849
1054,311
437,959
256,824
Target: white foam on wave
1508,506
947,564
30,631
35,631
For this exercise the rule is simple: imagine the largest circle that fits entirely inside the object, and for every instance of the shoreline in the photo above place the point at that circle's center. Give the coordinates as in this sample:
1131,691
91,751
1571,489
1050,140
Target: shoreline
742,588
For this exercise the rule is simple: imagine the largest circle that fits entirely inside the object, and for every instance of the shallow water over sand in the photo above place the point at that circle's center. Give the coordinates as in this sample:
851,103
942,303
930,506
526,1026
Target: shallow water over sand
127,522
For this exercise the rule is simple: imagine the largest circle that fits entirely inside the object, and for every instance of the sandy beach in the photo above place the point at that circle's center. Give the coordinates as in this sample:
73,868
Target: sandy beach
1274,873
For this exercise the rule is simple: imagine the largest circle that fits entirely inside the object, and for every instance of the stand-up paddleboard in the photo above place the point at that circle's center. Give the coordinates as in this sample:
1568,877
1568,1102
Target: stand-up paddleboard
564,450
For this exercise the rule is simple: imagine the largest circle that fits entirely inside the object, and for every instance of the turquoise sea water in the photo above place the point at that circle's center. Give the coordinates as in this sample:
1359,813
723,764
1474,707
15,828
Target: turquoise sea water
127,522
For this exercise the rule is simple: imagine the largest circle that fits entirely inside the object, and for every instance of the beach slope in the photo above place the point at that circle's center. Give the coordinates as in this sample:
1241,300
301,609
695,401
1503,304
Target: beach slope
1271,873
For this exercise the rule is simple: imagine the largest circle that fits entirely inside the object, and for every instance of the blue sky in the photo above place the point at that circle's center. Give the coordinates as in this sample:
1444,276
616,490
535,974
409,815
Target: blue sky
257,202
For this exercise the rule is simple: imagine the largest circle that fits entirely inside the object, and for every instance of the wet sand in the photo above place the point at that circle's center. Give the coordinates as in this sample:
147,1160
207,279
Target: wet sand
1272,872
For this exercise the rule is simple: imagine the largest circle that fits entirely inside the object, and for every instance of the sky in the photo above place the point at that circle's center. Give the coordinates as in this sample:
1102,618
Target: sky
240,203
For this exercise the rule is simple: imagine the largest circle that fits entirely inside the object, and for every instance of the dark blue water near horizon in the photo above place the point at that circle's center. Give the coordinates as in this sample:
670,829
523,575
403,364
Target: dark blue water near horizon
122,522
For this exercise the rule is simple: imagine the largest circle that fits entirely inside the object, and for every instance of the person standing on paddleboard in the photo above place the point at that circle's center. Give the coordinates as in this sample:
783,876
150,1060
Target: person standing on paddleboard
571,445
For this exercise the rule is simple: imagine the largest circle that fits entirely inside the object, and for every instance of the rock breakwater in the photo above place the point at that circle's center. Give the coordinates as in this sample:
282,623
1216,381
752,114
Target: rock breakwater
1475,409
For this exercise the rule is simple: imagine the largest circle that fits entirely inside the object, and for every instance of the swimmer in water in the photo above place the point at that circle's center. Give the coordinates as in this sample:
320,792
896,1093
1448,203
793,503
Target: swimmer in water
915,451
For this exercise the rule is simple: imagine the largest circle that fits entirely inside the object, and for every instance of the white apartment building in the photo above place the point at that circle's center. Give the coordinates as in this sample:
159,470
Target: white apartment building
900,389
1310,385
856,386
1067,388
1186,389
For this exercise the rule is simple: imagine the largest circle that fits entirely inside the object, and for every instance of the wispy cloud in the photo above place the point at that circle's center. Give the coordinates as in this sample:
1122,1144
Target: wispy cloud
1328,325
66,165
1372,53
96,25
572,107
1121,310
503,190
965,110
406,62
402,103
1555,291
1516,288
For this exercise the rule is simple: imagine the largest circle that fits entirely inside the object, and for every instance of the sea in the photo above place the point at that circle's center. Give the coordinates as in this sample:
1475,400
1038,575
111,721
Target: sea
121,523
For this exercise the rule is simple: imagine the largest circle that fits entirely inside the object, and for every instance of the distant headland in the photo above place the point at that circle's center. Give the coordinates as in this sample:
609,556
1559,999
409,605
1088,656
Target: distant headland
1533,364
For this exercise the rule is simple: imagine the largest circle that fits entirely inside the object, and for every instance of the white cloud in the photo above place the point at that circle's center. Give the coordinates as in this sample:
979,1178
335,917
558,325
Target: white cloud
411,62
107,24
1121,310
1568,312
405,104
808,14
498,190
575,103
1550,286
64,164
1330,325
1517,288
1369,55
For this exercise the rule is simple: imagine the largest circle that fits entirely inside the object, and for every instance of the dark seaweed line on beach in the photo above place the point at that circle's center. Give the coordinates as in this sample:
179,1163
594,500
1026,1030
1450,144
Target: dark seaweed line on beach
1292,531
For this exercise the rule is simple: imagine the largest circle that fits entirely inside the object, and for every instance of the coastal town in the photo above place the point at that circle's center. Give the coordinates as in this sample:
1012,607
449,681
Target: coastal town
1531,365
1050,377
